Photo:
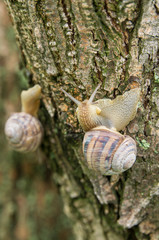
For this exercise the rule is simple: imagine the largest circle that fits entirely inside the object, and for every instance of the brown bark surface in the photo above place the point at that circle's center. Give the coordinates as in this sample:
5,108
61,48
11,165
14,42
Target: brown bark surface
76,45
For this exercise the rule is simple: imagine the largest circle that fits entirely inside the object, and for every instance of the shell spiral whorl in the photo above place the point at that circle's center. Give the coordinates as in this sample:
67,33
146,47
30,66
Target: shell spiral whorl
24,132
108,151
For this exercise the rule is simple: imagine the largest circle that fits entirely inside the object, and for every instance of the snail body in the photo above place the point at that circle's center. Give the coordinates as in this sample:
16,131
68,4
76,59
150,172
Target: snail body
104,148
23,130
116,113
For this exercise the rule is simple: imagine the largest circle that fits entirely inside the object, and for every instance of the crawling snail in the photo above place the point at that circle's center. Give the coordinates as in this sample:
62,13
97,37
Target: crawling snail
105,149
23,130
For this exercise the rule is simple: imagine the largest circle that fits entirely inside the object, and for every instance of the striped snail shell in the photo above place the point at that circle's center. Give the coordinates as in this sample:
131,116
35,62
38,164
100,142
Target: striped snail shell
107,151
24,132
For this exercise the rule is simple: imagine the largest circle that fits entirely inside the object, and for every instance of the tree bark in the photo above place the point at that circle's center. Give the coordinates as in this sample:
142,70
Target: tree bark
76,45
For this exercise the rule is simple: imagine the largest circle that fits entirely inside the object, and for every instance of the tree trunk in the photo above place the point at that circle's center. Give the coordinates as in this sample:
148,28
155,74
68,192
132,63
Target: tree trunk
76,45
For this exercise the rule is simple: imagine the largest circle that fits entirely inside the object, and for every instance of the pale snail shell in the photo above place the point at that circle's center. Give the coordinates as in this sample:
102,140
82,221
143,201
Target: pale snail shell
107,151
24,132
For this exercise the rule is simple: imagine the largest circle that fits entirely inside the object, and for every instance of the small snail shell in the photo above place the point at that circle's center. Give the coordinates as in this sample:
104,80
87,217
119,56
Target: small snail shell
107,151
23,130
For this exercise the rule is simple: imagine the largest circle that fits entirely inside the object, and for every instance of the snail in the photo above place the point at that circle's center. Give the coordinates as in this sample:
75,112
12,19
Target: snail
23,130
105,149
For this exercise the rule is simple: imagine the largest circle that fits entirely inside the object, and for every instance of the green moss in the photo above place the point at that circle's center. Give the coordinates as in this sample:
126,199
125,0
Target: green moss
156,77
143,143
22,79
10,36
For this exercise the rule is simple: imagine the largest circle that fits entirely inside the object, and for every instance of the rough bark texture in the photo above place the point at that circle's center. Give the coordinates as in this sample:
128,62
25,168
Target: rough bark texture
77,44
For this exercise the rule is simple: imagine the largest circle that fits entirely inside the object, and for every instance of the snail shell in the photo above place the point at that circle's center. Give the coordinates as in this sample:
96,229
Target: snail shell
107,151
24,132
